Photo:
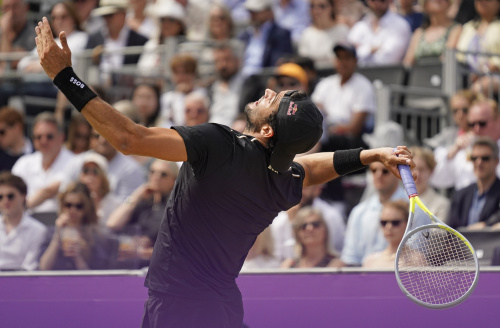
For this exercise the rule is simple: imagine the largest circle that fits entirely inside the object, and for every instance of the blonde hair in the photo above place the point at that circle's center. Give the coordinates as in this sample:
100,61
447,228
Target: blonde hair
426,154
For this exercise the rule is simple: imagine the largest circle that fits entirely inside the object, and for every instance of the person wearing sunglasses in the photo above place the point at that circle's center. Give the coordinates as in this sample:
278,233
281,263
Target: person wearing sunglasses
455,136
142,212
393,220
74,243
94,174
21,236
483,119
363,236
476,206
313,247
13,142
44,169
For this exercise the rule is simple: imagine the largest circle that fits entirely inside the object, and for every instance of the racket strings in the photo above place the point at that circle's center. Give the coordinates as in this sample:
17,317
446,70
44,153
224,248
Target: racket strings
436,266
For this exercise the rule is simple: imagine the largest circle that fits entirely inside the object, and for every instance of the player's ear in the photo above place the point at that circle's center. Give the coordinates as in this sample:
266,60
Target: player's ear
266,130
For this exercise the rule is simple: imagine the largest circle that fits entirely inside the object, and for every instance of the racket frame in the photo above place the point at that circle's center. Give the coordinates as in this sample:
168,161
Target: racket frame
411,190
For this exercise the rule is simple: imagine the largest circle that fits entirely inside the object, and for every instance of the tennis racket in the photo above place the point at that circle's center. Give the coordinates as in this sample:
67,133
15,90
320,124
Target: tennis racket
436,267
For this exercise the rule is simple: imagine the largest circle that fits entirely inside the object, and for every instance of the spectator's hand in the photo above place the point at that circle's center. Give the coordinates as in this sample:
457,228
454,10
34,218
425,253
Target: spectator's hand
62,220
461,142
477,226
96,54
145,249
52,58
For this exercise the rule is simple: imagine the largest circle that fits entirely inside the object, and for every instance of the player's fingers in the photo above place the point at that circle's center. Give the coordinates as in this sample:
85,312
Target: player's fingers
64,41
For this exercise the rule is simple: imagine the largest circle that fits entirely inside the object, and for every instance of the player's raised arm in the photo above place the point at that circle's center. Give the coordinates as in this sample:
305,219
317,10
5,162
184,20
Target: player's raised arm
323,167
125,135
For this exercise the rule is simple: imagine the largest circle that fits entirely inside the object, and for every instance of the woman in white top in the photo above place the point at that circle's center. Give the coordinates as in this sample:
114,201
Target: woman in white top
261,255
318,39
137,19
21,235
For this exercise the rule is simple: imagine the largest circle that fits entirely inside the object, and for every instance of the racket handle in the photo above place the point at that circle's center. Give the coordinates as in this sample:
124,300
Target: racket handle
408,181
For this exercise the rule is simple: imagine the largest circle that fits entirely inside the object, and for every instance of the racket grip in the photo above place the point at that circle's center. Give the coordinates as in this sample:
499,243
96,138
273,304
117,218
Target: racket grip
408,181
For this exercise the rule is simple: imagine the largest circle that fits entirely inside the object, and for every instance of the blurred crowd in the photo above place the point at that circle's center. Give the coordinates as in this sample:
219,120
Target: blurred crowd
70,201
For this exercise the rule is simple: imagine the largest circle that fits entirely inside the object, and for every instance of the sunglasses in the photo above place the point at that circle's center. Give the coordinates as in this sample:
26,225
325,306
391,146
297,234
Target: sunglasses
464,110
394,223
10,196
320,6
197,111
162,174
81,136
48,136
481,124
78,206
384,171
90,170
314,224
482,158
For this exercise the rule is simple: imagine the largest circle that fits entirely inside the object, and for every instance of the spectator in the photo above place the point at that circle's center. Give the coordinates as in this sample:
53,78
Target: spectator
16,32
481,35
282,226
475,206
184,69
197,15
313,247
437,33
347,100
94,174
78,134
424,166
318,39
381,37
170,29
292,15
393,221
13,143
75,242
137,19
363,236
197,109
457,134
113,38
261,255
407,10
225,90
20,235
289,76
453,168
44,169
265,42
144,208
221,26
146,99
90,23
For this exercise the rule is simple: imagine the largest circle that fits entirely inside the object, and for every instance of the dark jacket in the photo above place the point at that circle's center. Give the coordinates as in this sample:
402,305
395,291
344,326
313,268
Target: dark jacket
278,44
133,39
462,202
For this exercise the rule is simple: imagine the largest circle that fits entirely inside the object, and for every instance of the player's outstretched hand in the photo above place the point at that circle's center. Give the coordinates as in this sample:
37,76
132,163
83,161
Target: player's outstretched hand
392,157
52,58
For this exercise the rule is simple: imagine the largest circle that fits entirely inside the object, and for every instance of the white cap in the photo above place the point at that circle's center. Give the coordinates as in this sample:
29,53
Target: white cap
167,8
258,5
108,7
99,160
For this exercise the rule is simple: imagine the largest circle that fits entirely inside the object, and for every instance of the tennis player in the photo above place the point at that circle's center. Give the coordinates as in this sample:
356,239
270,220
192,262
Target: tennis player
230,188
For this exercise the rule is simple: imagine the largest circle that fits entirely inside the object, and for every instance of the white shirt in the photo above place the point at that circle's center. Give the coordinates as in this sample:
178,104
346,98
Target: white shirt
283,236
29,168
341,102
363,234
318,44
457,172
19,250
225,100
391,38
173,107
114,59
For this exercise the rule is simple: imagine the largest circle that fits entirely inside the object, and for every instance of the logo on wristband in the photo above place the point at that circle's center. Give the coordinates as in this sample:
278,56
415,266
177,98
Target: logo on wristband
77,83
